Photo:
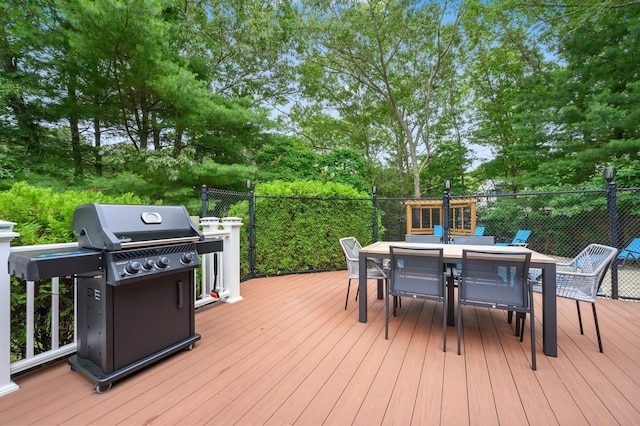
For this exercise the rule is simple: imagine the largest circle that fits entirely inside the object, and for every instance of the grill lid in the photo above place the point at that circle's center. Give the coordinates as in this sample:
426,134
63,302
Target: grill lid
115,227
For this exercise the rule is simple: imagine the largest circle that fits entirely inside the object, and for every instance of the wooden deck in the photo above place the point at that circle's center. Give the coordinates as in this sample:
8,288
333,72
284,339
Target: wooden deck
290,354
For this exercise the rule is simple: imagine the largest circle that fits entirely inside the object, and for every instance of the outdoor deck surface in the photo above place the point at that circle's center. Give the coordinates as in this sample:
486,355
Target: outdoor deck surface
290,354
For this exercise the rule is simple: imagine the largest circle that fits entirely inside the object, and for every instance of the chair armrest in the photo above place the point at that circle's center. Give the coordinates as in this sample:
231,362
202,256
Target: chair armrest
577,285
567,267
380,267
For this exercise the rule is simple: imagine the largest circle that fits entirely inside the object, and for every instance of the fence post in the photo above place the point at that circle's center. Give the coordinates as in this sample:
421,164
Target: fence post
446,198
374,201
6,235
205,201
252,232
609,174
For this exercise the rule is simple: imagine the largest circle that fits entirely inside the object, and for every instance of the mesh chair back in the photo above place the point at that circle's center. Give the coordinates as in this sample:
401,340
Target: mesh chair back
435,239
495,279
581,278
351,248
417,272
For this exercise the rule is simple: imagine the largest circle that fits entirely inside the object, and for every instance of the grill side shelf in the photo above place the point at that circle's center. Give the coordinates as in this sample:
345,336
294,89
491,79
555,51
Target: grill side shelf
209,246
48,263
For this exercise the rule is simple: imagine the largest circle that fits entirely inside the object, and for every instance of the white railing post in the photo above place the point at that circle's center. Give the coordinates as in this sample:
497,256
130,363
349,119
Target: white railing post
6,235
211,229
231,270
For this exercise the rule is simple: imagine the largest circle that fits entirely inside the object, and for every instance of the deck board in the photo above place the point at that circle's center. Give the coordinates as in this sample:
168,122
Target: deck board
289,353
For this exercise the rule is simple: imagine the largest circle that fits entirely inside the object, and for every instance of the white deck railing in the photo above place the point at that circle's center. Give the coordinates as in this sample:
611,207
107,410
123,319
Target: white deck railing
224,280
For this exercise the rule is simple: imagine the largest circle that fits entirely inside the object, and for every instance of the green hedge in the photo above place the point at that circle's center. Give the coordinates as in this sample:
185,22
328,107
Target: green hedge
299,225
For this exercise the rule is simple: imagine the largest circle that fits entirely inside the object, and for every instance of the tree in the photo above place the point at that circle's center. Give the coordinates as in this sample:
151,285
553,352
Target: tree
587,109
22,28
387,60
506,75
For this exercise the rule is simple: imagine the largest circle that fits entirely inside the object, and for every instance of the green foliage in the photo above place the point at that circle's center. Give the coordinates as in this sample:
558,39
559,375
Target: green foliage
290,159
216,175
287,159
163,178
43,216
345,166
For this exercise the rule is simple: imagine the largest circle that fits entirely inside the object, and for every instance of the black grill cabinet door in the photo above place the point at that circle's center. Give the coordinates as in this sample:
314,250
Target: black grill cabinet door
151,315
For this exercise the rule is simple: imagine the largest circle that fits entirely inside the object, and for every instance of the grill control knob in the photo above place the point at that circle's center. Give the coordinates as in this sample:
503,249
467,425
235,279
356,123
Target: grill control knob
187,258
148,264
163,262
133,267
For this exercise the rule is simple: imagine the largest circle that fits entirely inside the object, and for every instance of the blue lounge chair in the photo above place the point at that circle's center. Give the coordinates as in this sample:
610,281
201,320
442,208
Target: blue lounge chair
520,239
438,230
631,252
479,231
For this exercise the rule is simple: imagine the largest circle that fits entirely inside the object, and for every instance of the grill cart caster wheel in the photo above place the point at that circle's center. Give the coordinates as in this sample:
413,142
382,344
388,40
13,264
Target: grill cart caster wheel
190,347
70,367
102,388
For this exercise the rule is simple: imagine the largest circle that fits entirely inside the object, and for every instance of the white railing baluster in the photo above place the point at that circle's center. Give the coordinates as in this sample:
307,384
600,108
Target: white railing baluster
55,313
30,317
75,309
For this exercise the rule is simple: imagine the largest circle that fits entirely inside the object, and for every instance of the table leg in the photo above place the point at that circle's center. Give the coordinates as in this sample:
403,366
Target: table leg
362,285
549,313
450,301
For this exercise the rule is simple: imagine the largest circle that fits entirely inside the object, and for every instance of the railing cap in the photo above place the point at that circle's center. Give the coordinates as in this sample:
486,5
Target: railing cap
6,226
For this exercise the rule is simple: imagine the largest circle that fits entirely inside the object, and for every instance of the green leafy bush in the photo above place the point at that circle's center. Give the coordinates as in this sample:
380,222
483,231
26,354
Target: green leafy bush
43,216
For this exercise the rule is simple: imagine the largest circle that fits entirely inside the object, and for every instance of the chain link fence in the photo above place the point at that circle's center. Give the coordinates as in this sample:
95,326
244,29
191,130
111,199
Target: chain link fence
284,235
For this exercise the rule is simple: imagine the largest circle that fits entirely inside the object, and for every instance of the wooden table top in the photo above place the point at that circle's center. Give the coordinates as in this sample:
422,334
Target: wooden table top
454,251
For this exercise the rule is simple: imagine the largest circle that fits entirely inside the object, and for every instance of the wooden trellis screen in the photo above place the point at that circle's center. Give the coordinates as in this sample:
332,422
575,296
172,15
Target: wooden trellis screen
423,215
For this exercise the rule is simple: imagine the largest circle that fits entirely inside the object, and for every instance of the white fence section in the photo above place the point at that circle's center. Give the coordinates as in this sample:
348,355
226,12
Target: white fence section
221,283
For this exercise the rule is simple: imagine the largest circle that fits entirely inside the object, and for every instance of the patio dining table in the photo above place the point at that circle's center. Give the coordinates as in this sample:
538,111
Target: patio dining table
452,253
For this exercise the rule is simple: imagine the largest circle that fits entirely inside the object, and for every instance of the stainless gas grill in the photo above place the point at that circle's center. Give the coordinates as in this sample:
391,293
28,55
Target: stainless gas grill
135,267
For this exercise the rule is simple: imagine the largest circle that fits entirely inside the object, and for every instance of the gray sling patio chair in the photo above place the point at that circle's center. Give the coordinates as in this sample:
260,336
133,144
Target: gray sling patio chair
351,248
484,240
580,279
412,238
417,273
496,280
